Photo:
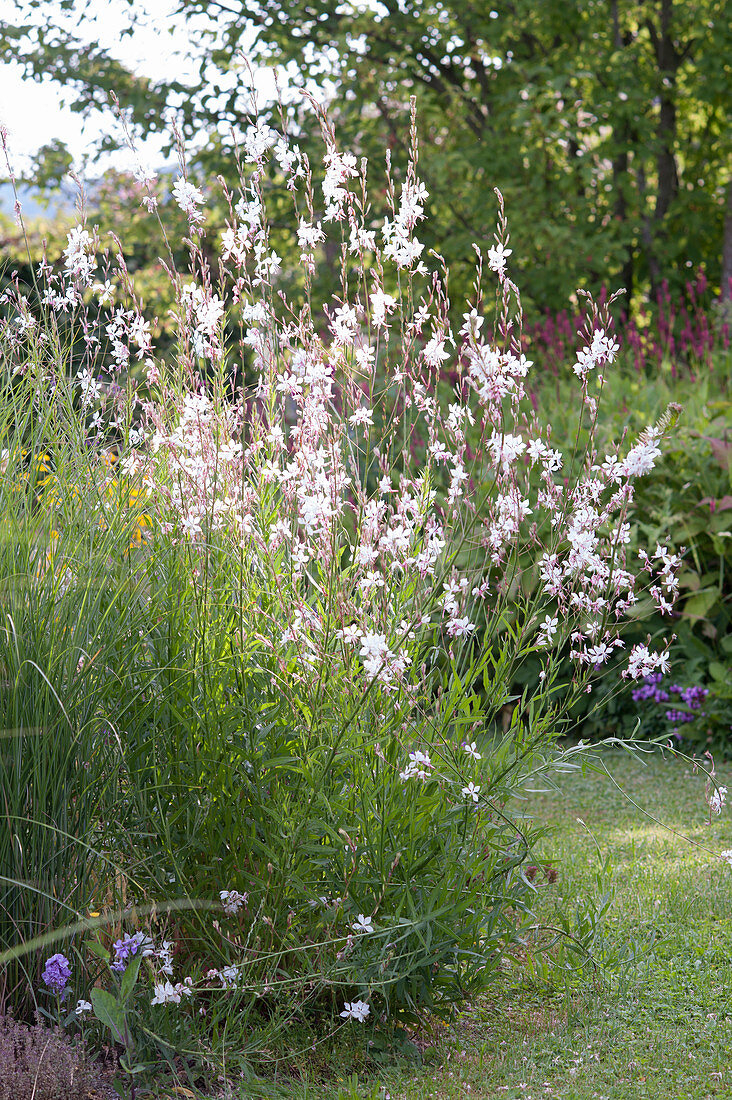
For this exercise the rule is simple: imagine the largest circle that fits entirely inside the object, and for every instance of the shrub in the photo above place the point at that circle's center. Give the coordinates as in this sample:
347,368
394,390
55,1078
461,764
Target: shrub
317,597
42,1063
686,509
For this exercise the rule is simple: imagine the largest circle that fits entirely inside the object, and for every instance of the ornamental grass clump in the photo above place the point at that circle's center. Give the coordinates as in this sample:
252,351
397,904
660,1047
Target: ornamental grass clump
334,566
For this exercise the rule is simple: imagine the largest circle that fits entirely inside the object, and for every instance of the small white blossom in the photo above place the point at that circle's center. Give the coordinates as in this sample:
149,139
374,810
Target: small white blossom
166,993
258,139
497,256
381,305
188,198
355,1010
717,799
362,924
471,791
362,416
232,901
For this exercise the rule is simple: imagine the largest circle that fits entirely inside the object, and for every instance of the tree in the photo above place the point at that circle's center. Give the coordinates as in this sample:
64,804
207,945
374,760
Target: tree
604,122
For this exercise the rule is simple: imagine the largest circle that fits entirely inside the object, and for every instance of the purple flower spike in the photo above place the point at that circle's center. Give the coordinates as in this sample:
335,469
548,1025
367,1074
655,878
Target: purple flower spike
124,949
57,973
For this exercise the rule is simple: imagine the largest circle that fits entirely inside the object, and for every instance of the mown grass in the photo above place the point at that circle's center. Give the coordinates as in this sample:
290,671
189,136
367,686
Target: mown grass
662,1029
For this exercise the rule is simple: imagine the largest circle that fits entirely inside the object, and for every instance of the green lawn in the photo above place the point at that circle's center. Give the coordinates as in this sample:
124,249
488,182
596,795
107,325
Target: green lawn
662,1030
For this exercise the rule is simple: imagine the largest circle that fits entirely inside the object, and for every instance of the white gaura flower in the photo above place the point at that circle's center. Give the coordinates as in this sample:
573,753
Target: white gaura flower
460,628
717,799
362,924
83,1006
309,235
362,415
381,305
188,198
471,749
434,351
726,855
471,791
497,256
355,1010
164,955
258,139
419,765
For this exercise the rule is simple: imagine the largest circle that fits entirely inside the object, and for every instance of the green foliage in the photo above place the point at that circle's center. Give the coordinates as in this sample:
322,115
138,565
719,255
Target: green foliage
64,613
688,508
605,125
671,891
294,742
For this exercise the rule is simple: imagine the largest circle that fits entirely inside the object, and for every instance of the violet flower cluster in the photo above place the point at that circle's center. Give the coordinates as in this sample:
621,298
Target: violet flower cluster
57,974
128,946
693,697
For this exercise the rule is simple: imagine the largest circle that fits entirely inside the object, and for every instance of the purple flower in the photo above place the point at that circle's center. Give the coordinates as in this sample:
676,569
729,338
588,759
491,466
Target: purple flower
57,974
125,948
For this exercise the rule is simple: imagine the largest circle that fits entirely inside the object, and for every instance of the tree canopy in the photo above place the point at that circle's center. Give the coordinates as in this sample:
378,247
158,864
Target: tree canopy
603,122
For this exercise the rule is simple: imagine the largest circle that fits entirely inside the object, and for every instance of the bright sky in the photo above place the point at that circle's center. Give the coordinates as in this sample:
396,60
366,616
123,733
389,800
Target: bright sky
161,47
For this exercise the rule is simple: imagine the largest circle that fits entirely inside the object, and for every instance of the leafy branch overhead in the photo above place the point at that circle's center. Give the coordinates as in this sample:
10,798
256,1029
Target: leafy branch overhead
604,123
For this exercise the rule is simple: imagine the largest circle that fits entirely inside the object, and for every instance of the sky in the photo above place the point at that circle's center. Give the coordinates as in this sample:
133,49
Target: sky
33,112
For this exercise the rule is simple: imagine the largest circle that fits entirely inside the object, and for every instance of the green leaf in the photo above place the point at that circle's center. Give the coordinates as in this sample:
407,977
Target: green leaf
109,1012
130,977
698,606
719,672
97,949
132,1068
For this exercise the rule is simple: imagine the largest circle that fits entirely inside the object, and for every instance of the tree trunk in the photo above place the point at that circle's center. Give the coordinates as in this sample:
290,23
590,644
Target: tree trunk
621,166
726,288
668,65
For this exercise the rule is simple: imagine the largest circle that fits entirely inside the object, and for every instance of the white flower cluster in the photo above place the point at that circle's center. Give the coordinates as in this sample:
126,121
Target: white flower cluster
356,1010
204,313
339,168
379,662
166,993
314,426
79,261
419,767
189,198
603,349
399,243
232,901
717,799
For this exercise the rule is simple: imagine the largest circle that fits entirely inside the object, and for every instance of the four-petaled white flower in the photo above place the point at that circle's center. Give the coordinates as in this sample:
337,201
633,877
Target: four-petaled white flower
471,791
362,924
82,1006
471,749
726,855
355,1010
497,256
362,415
